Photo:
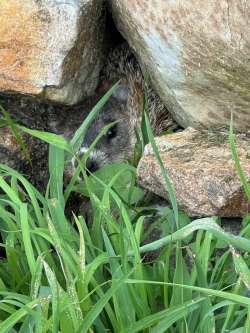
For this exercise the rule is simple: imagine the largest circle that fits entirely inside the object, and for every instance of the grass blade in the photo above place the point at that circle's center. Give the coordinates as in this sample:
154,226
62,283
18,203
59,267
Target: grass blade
51,138
79,135
96,310
243,178
208,224
10,322
27,239
167,182
56,169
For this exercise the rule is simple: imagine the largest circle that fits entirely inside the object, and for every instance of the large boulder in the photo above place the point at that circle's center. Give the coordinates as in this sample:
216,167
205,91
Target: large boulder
51,48
201,170
197,55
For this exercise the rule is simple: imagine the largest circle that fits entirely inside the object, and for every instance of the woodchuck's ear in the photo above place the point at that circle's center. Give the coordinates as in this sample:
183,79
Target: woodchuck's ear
121,93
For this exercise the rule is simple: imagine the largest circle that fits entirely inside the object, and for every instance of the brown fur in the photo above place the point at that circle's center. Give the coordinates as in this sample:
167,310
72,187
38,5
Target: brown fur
122,65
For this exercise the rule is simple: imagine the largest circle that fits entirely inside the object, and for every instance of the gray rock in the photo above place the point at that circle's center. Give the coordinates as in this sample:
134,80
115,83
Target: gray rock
51,48
197,55
201,170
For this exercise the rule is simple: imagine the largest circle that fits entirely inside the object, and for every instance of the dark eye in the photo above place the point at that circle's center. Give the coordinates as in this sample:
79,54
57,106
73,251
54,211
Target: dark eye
112,132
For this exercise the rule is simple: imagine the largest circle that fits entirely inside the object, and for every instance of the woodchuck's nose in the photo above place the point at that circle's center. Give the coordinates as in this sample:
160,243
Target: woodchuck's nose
91,166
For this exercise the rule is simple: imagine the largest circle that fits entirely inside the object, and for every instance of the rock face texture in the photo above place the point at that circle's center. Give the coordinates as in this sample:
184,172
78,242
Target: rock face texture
197,55
53,48
201,170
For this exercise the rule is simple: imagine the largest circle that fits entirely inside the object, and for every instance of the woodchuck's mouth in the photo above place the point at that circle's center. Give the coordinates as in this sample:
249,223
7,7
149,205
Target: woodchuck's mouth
94,162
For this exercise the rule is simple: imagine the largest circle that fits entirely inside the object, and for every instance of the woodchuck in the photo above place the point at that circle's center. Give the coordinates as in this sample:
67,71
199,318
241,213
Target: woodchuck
126,107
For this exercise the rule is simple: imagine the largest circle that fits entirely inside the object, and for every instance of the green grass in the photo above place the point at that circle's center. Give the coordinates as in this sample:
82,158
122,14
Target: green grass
59,275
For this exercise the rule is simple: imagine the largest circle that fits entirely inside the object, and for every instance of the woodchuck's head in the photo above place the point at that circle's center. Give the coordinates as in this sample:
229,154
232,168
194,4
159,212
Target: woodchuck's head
116,145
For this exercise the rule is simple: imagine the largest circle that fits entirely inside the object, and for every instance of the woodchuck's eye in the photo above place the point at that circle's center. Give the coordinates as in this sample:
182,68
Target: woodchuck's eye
112,132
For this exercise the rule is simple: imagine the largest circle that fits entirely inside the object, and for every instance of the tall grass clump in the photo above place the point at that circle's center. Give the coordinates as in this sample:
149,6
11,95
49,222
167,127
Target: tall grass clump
58,274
